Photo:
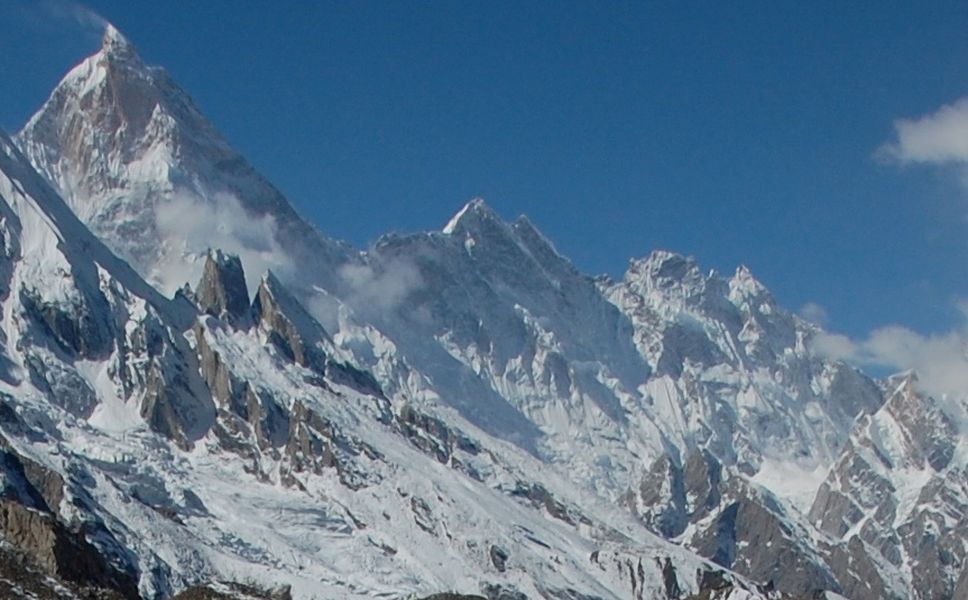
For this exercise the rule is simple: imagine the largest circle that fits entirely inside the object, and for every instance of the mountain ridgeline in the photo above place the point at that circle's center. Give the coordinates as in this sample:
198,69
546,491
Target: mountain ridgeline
203,396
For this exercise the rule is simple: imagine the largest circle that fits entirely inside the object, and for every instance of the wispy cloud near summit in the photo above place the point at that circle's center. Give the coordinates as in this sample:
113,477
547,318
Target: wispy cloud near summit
75,12
56,17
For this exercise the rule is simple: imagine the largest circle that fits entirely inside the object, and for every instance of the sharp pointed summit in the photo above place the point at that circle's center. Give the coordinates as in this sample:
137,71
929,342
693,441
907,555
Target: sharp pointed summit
474,212
114,43
130,151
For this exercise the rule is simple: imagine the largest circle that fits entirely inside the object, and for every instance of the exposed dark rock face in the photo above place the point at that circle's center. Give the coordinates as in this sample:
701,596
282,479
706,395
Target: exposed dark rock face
433,436
835,513
670,581
677,495
29,483
541,498
853,394
862,489
856,570
227,390
287,324
174,404
633,569
268,418
499,558
494,591
19,578
752,540
222,292
262,432
234,591
314,444
251,421
245,412
301,339
29,523
77,330
358,379
59,552
961,589
734,525
712,581
154,361
64,387
935,547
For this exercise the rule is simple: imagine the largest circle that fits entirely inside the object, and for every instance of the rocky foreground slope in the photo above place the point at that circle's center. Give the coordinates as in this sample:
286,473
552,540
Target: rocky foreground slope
454,410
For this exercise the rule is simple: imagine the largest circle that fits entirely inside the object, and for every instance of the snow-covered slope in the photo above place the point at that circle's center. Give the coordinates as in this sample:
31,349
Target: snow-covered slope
214,438
450,396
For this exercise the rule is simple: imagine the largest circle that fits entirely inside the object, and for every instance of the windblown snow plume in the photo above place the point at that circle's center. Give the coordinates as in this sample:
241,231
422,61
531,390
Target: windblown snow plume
381,288
217,222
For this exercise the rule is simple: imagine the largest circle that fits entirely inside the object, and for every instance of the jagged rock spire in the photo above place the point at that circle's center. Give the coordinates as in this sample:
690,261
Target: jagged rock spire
221,291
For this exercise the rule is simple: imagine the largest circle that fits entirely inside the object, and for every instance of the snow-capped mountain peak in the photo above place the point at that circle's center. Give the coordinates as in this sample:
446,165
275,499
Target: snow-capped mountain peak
463,408
744,287
474,216
665,270
132,154
115,45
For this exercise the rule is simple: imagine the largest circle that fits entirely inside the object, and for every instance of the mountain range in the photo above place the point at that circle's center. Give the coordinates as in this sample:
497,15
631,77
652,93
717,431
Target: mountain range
204,396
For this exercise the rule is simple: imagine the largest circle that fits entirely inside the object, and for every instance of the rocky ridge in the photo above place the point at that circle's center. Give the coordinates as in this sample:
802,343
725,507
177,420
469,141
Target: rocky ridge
688,412
133,447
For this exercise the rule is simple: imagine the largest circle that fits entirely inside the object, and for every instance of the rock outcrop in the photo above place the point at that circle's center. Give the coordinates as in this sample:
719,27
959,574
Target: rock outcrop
222,292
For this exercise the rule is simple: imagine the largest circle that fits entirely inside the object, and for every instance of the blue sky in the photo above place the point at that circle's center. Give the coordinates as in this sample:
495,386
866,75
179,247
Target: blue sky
733,132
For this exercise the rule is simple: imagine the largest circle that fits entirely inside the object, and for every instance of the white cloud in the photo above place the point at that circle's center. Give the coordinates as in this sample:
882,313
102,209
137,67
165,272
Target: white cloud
55,18
195,225
382,287
816,314
76,13
835,346
938,138
940,360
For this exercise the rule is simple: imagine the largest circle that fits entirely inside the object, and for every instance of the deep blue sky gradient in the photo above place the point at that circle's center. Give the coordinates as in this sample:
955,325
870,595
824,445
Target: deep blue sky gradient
733,132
